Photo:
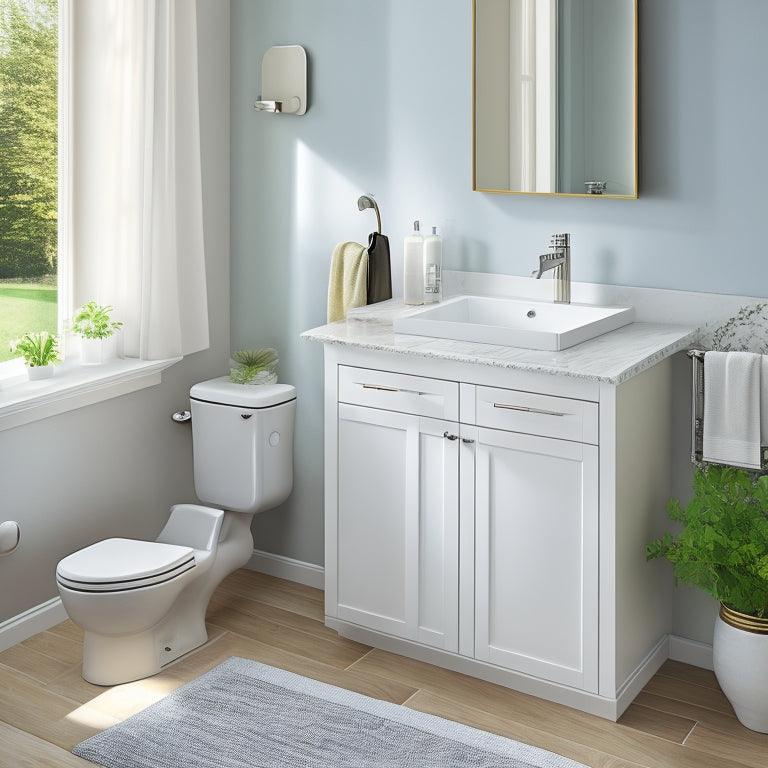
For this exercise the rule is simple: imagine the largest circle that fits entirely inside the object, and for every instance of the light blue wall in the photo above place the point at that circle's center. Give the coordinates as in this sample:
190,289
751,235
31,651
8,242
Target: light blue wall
390,114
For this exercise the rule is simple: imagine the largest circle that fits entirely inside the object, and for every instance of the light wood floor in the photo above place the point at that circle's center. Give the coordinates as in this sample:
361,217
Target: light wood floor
680,720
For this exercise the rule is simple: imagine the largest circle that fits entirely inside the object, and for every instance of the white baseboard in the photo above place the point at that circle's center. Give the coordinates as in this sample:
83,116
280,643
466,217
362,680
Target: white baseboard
37,619
642,675
690,652
286,568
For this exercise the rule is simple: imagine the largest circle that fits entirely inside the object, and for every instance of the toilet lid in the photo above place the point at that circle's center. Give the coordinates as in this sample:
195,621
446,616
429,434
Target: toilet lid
120,564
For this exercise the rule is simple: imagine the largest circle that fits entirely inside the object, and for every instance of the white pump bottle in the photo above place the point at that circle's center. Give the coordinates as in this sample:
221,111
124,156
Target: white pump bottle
413,267
433,267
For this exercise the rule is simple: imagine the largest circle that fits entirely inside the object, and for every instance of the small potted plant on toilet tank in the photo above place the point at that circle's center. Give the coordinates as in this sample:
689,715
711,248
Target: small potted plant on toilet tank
96,330
254,366
723,549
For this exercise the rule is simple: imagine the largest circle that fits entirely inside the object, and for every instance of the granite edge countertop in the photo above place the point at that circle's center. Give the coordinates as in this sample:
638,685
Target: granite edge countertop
611,358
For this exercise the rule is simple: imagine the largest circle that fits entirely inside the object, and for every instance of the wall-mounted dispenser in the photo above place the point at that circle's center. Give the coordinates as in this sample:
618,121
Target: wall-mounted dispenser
284,80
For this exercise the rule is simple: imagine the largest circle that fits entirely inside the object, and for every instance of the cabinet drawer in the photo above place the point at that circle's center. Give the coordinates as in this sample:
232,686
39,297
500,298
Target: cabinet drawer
534,414
421,396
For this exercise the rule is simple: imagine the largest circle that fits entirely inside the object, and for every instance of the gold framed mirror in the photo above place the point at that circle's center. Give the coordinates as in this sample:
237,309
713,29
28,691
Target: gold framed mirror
554,97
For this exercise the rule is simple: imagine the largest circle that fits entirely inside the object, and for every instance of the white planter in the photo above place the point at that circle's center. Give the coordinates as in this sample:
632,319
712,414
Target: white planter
97,351
741,666
39,372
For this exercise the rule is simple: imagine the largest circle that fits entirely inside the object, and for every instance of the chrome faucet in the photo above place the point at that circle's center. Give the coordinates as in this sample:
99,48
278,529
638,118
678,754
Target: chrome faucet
559,259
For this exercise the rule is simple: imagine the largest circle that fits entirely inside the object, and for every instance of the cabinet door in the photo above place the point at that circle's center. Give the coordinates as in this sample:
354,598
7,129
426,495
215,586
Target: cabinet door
536,556
398,524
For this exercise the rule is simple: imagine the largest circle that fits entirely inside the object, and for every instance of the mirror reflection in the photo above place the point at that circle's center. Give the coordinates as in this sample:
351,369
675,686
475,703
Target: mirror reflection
555,96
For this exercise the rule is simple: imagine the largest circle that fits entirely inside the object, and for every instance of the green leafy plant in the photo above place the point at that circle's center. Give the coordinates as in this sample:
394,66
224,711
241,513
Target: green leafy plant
252,363
37,349
723,545
92,321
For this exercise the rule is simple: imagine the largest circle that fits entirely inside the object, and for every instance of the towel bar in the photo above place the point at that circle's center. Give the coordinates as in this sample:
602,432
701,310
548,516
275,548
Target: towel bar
697,409
697,404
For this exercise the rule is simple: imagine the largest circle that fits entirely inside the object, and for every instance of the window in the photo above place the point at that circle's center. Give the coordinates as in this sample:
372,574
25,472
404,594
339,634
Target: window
28,168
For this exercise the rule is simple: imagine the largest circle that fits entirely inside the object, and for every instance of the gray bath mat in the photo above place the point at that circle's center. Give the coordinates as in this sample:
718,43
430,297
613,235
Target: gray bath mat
243,714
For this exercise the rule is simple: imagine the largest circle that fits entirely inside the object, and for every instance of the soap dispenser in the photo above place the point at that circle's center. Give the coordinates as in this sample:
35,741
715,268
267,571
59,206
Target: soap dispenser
413,267
433,267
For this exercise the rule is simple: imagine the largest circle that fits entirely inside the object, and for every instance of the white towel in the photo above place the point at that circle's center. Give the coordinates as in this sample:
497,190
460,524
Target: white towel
732,412
764,401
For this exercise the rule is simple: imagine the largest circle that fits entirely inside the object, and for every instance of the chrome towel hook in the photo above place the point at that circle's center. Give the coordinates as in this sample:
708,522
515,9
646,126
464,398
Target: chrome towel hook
367,201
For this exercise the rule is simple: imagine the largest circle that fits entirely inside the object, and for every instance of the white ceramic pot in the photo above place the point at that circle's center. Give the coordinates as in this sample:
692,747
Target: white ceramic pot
97,351
37,372
740,650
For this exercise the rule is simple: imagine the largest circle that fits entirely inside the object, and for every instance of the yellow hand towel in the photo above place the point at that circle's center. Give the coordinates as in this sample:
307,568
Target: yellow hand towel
347,283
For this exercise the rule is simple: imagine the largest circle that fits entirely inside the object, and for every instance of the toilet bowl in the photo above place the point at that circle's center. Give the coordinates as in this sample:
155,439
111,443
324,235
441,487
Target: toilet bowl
142,604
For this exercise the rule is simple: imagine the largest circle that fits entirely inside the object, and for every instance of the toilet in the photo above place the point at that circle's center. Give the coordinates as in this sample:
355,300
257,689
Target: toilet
142,604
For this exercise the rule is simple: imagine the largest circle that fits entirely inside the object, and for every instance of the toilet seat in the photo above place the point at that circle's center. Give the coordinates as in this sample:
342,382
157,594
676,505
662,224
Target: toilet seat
116,565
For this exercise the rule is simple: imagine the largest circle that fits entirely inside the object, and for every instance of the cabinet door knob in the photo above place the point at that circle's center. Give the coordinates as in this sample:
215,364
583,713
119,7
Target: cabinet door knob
450,437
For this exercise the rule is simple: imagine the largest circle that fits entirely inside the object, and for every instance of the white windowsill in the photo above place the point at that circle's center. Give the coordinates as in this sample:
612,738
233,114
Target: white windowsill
72,386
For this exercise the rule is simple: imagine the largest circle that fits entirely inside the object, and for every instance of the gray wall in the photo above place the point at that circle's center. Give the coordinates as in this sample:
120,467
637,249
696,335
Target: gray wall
390,114
115,468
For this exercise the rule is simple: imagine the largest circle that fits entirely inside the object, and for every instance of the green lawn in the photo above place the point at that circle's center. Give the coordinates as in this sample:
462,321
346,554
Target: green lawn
26,308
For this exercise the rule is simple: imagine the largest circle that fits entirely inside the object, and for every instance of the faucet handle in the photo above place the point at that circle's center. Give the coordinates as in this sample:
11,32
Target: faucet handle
560,241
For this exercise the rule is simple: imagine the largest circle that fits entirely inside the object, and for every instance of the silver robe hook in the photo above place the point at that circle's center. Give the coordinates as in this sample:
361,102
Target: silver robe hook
367,201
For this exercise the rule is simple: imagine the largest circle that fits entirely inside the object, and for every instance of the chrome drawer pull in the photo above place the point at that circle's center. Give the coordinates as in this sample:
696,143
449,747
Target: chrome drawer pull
382,388
528,410
378,386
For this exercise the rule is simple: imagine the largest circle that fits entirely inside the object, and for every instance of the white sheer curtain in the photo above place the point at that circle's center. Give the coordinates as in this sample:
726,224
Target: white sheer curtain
134,224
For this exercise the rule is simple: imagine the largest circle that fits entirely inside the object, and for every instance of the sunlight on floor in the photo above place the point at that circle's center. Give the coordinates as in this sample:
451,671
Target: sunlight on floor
122,701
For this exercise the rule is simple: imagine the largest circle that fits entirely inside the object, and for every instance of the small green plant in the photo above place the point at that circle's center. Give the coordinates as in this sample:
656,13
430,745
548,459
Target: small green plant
37,349
92,321
253,362
723,545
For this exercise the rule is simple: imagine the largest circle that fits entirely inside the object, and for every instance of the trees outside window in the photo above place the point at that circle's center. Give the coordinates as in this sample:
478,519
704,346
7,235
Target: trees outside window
28,168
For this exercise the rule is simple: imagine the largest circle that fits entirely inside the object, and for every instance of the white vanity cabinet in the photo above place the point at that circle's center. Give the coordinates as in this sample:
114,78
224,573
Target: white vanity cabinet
397,505
494,521
535,545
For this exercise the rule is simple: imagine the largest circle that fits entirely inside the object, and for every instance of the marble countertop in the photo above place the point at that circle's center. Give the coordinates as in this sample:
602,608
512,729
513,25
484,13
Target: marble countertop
611,358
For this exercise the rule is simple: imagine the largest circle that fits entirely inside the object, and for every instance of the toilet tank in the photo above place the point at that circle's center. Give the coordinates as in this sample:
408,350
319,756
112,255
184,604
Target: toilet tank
242,441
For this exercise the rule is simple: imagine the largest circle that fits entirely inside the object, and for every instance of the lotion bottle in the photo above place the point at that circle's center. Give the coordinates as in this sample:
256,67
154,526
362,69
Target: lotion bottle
413,267
433,267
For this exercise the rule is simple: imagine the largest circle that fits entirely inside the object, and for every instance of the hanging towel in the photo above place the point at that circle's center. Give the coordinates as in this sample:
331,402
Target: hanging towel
379,269
347,282
764,400
732,418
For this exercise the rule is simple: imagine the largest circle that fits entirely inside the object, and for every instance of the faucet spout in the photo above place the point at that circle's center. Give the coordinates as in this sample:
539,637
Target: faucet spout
558,258
546,262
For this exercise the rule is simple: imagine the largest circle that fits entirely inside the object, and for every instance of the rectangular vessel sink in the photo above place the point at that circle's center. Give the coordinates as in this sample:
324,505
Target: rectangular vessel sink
514,322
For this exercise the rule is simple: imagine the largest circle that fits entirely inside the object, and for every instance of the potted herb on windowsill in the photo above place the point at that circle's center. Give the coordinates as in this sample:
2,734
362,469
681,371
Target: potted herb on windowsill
723,549
97,333
40,351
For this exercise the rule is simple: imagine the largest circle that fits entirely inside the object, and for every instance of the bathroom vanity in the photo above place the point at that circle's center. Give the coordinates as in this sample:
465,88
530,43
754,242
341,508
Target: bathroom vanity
487,507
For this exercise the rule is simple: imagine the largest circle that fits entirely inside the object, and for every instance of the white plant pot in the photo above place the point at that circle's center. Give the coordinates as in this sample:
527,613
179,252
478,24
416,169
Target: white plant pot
38,372
97,351
741,666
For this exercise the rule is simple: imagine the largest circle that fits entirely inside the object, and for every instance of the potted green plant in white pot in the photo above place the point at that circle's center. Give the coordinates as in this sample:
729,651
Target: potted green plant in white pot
40,351
96,330
723,549
254,366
